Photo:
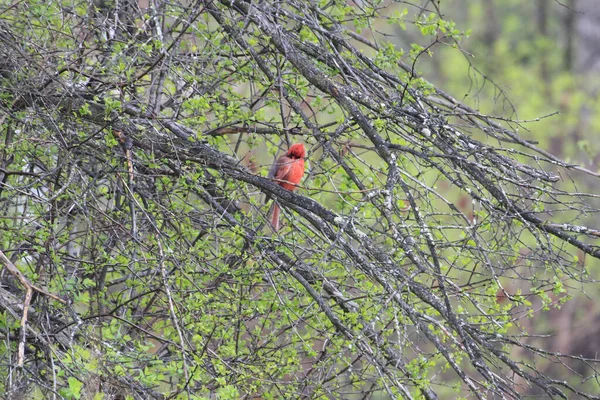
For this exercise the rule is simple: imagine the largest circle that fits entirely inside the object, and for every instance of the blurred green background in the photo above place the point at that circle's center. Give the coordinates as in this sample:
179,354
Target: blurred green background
525,60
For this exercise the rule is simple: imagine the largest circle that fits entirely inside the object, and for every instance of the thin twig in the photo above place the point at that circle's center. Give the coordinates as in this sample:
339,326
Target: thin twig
29,288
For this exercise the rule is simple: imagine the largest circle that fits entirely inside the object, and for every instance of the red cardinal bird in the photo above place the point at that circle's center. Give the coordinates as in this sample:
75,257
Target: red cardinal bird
287,172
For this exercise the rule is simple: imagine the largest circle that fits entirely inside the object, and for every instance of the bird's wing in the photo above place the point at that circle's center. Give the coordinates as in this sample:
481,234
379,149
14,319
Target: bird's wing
278,171
282,168
273,170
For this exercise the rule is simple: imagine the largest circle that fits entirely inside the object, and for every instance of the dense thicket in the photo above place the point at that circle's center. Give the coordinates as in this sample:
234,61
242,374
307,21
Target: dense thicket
138,258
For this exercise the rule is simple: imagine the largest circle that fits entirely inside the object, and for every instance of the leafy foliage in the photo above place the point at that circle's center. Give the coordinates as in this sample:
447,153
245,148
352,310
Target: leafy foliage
134,150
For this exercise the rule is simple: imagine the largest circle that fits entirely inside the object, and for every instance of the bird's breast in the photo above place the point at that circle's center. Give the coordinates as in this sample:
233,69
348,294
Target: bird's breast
294,175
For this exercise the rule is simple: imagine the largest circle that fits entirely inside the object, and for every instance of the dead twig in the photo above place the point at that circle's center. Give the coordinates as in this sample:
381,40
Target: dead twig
29,288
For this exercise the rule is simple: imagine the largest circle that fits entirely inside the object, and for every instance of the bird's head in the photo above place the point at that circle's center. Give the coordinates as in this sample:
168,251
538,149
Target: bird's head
296,151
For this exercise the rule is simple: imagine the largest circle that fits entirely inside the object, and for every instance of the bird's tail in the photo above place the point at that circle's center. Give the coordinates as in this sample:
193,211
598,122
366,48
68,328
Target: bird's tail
275,217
